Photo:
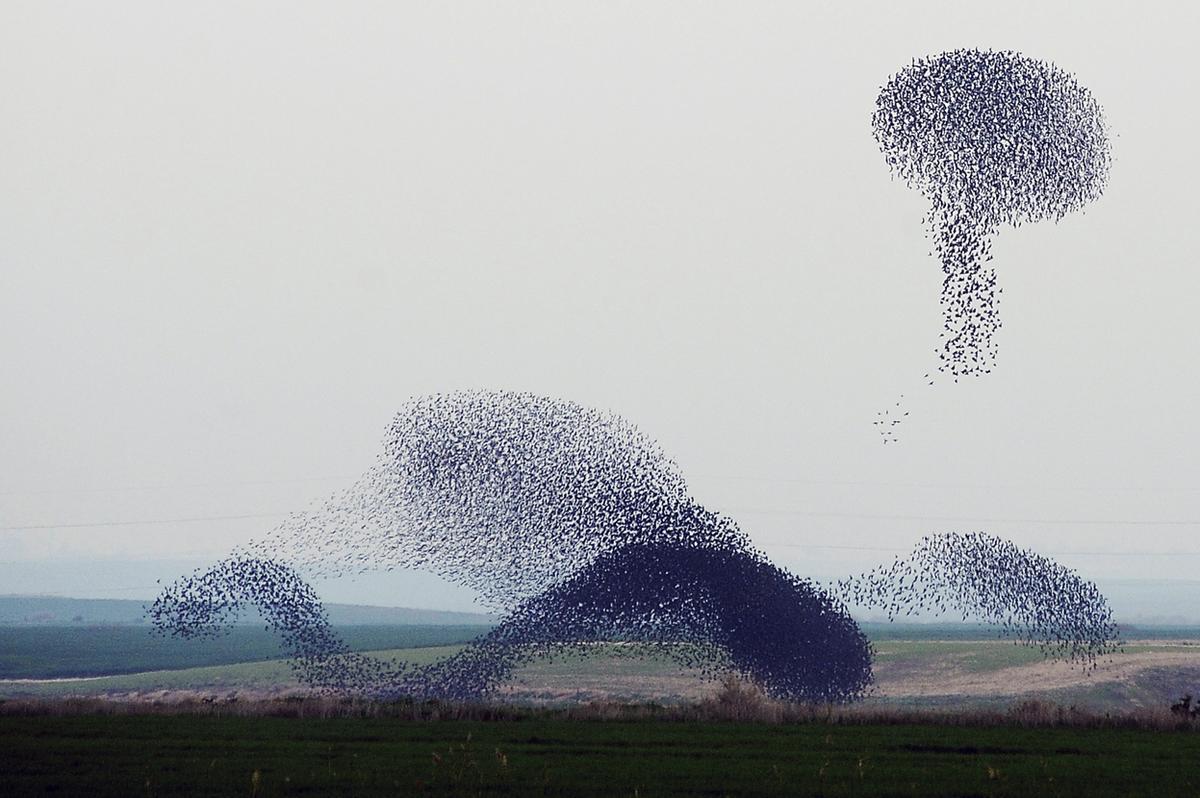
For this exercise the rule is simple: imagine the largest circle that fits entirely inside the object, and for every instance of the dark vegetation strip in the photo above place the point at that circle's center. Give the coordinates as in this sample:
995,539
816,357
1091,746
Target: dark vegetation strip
545,754
735,702
54,652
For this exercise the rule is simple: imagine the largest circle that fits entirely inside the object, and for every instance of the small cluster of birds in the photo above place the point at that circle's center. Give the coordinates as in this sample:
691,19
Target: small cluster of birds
887,424
582,531
1029,597
990,138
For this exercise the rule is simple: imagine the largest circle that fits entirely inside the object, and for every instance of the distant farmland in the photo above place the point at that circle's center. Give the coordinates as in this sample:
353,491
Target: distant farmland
43,652
933,673
955,712
56,652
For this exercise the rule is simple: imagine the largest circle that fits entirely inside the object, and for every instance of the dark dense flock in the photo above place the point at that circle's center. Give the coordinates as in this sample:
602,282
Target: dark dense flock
569,519
990,138
583,532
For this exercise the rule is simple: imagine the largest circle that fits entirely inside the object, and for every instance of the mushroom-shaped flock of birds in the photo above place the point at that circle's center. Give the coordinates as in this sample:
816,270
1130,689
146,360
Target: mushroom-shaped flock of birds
990,139
581,530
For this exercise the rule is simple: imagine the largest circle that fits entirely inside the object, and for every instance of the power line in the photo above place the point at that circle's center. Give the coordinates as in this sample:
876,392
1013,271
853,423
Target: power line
939,485
962,519
1048,553
700,476
740,510
177,486
151,522
843,548
99,590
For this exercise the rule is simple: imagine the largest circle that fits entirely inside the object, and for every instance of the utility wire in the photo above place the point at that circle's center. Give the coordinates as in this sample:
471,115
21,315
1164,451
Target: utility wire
1048,553
740,510
940,485
962,519
769,544
699,476
150,522
177,486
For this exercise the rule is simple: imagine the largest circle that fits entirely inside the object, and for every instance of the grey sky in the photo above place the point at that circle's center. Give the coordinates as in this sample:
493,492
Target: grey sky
235,237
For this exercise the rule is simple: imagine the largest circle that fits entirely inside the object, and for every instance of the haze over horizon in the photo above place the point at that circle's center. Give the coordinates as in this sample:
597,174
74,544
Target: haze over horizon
235,241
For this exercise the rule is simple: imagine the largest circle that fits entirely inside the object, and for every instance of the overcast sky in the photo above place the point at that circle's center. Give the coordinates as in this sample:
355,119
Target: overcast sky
235,237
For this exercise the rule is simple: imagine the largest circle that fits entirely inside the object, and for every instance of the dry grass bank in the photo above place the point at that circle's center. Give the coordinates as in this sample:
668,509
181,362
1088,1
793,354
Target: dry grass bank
735,702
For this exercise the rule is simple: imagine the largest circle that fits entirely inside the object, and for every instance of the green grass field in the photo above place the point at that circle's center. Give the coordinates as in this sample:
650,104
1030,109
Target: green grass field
243,676
151,755
51,652
212,745
955,673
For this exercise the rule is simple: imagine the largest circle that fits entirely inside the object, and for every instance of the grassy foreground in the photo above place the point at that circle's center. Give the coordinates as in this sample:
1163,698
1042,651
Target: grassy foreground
531,754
